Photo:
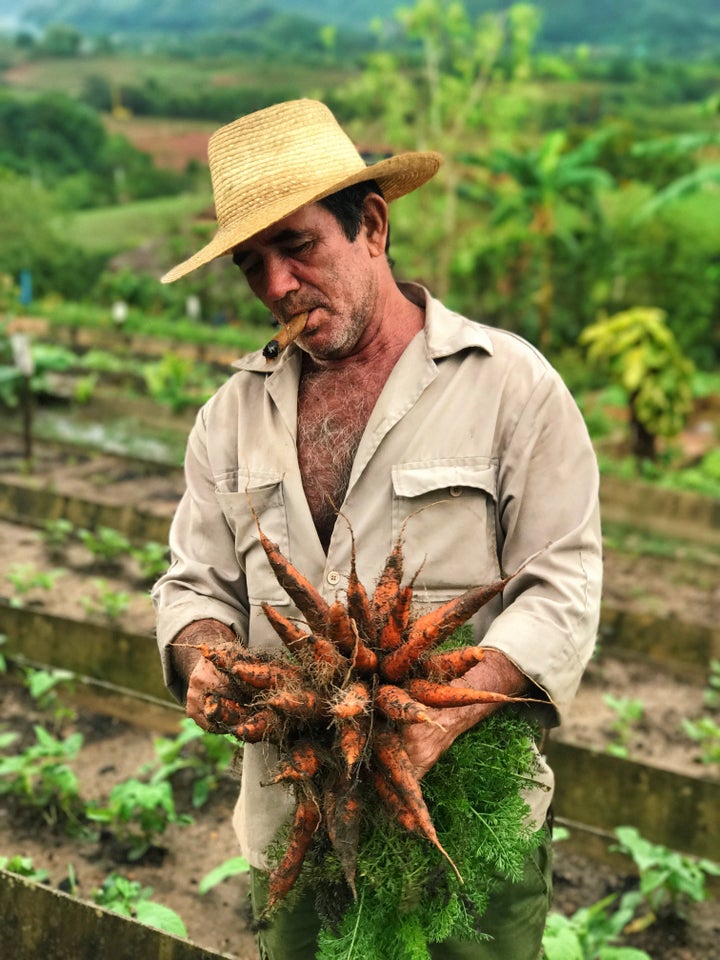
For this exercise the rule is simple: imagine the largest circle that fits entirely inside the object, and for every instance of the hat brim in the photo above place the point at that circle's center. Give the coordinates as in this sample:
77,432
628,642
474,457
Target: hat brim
396,176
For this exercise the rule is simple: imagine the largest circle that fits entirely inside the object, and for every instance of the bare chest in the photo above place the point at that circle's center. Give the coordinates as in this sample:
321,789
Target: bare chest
332,415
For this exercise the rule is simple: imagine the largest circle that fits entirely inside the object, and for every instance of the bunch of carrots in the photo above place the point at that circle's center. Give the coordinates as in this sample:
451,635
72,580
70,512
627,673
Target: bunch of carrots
358,672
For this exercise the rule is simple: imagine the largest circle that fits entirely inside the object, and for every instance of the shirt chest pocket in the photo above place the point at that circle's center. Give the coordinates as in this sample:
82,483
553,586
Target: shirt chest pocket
449,511
263,494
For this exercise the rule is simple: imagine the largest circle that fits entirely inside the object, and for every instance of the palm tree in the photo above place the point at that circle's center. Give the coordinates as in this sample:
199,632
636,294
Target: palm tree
532,186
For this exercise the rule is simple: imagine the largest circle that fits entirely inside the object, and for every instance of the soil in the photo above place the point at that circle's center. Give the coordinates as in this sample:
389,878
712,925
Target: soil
114,750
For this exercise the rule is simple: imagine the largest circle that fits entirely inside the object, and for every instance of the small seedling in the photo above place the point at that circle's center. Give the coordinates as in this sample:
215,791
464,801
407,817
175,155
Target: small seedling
152,558
130,899
711,693
628,712
57,534
230,868
137,813
41,777
43,688
109,603
207,755
668,880
706,733
23,867
26,577
105,543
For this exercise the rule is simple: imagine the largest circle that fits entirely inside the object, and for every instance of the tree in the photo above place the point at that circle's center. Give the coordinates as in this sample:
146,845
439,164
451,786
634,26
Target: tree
438,105
642,355
531,187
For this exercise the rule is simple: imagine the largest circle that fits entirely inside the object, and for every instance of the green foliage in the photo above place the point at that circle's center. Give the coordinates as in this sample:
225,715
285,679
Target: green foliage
178,382
668,880
591,932
407,893
42,685
643,356
105,543
628,712
110,602
138,813
711,693
130,899
41,777
23,867
706,733
152,559
57,534
26,577
229,868
206,755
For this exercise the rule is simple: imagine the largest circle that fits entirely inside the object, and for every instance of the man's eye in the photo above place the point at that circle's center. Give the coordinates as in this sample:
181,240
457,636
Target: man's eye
298,249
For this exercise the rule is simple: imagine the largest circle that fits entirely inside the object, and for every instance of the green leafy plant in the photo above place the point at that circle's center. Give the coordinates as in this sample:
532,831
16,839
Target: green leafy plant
668,880
43,686
628,712
110,602
207,755
26,577
152,558
592,932
138,813
706,733
41,777
130,899
229,868
105,543
3,661
57,534
641,353
711,693
23,867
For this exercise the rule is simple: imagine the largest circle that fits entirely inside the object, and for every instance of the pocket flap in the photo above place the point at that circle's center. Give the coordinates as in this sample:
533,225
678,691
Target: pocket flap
416,479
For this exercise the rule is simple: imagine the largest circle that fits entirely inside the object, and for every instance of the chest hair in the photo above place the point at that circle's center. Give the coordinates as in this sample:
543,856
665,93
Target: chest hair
333,411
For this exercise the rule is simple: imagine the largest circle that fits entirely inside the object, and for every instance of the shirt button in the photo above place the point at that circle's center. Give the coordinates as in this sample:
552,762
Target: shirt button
333,578
455,491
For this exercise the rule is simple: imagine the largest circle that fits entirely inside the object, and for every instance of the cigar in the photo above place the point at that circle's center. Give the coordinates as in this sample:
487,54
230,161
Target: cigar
285,335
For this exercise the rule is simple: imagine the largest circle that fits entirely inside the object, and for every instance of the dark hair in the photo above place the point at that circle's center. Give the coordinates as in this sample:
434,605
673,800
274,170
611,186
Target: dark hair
348,204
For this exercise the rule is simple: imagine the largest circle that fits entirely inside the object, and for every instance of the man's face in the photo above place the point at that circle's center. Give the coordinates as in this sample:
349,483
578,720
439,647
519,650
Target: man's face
305,262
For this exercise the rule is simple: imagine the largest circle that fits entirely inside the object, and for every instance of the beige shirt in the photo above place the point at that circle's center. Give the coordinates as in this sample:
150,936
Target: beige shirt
476,437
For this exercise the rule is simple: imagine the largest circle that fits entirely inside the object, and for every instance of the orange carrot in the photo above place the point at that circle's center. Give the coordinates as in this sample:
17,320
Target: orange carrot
393,803
446,695
261,725
388,584
351,701
399,706
343,814
222,656
301,702
394,763
309,601
352,740
358,603
451,663
224,710
261,673
392,634
342,630
302,764
283,876
437,625
289,632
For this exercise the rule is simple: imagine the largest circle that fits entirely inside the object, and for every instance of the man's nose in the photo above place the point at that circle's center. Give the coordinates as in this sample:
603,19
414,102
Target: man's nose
278,277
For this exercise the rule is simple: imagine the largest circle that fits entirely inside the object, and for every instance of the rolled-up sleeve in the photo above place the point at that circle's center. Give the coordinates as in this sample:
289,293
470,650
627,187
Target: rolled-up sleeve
548,507
204,579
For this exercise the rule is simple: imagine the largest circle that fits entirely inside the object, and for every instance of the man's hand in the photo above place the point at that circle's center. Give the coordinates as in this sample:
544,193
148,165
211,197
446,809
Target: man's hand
426,742
199,674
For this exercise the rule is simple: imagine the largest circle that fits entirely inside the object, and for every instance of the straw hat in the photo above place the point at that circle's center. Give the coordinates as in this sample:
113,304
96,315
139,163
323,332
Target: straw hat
269,164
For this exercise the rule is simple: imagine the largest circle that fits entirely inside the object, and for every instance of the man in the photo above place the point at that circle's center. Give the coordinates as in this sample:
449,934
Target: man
387,403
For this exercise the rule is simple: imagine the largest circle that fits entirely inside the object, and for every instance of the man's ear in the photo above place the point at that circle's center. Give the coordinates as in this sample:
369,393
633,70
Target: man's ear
375,223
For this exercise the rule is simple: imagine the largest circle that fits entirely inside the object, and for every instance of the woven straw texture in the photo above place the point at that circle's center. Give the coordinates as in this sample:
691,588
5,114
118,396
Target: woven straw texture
269,164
